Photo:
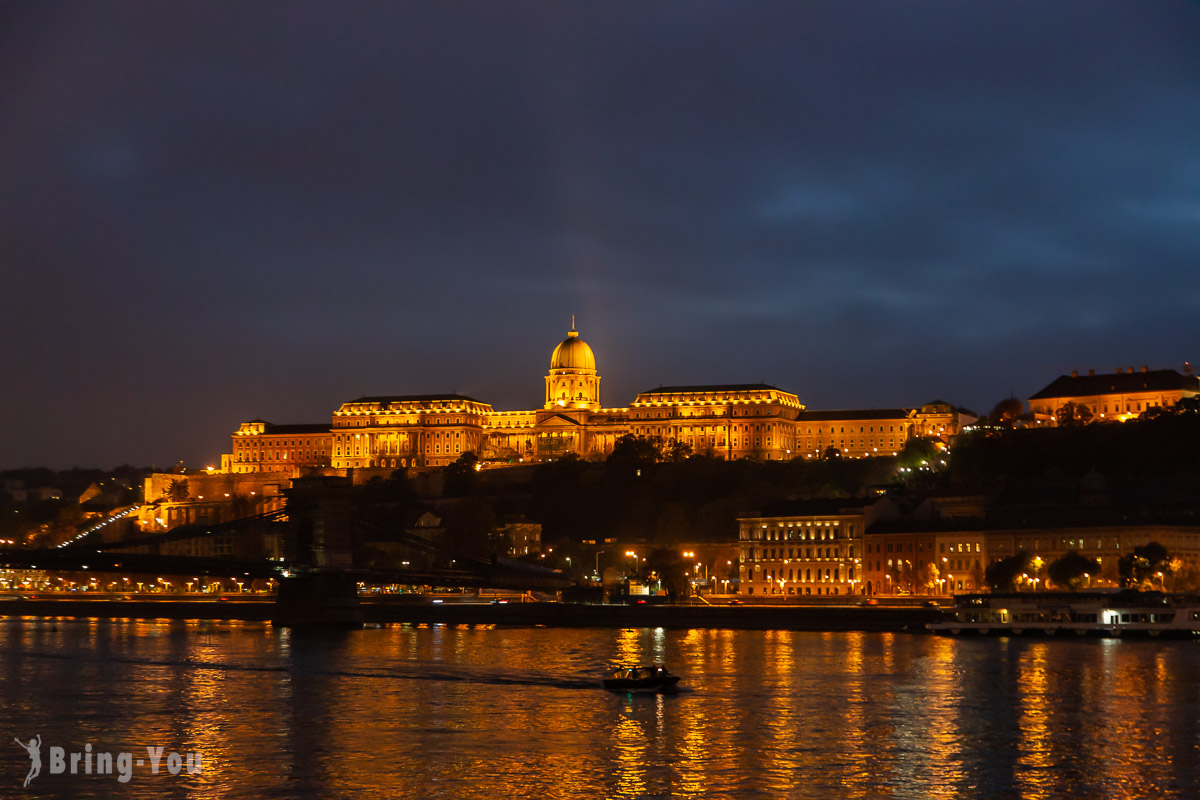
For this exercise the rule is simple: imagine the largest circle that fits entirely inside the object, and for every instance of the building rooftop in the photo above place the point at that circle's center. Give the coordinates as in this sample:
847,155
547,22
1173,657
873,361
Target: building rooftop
416,398
869,413
951,406
272,428
717,387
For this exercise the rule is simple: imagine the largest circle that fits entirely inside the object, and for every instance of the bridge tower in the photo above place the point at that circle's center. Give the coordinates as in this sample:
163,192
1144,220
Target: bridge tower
321,536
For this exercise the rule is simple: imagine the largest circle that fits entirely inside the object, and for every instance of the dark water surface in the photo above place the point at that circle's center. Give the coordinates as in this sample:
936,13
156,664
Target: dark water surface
449,712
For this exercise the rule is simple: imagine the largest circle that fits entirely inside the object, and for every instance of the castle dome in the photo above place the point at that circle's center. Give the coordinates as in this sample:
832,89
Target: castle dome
573,353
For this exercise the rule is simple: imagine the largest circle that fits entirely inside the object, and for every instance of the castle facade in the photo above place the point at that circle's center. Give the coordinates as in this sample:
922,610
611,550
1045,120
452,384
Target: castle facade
727,421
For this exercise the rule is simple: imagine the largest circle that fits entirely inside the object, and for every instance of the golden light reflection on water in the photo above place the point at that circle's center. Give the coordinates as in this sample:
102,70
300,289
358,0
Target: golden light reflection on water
1036,745
629,646
854,724
939,697
410,711
1135,694
629,743
782,718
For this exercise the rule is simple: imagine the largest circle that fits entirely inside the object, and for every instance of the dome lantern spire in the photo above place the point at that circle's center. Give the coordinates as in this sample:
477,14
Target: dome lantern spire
573,382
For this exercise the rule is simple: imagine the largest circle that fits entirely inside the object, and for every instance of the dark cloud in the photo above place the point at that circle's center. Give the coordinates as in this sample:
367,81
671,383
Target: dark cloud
210,212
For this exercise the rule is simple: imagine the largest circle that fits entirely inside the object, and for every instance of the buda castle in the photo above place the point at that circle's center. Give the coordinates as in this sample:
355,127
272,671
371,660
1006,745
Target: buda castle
727,421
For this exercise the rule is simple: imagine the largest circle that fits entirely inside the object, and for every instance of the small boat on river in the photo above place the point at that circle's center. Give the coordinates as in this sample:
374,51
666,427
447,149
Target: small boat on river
653,678
1113,614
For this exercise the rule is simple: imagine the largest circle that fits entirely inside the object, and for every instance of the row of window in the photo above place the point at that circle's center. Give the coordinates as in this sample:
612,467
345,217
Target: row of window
362,423
281,455
775,553
807,590
841,443
803,531
805,575
842,429
272,443
740,412
955,564
943,547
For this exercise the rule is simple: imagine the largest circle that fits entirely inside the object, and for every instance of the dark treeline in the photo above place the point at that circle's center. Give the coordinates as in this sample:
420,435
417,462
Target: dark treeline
1146,465
697,499
648,491
26,511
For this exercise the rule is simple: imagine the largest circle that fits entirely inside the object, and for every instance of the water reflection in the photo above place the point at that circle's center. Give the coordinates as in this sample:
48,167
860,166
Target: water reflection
415,711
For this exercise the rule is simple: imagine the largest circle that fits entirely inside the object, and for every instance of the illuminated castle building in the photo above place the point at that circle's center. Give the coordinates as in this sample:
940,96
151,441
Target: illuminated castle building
726,421
1122,395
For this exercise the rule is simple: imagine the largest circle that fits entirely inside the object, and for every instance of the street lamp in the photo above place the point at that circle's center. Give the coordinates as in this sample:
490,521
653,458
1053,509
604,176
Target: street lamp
635,558
598,552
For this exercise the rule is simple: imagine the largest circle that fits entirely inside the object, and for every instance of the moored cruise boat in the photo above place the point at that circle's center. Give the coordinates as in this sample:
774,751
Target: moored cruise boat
1117,613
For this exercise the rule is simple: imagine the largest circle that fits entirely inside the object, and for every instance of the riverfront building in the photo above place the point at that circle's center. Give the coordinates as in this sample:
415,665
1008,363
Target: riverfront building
807,548
945,556
726,421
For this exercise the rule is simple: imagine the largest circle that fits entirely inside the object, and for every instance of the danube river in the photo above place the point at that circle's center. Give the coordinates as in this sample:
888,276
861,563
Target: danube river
446,712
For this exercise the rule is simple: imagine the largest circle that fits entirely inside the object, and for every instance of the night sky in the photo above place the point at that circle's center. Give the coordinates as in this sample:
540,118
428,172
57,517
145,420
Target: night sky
211,212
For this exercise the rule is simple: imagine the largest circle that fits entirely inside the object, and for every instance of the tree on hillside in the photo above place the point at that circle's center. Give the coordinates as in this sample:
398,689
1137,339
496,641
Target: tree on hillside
918,452
1007,413
65,526
1071,413
1072,569
831,454
636,451
461,475
675,451
1154,412
1187,406
177,490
